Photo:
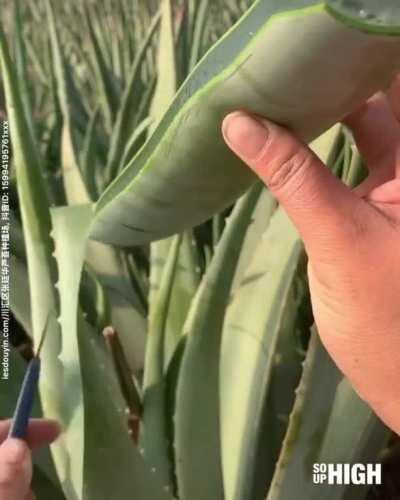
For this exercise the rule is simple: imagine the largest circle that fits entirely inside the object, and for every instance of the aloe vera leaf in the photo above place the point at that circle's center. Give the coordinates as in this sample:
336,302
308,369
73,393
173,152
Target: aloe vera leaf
186,282
17,243
259,344
164,92
103,29
347,155
127,312
161,192
88,158
368,15
43,488
139,279
259,349
106,85
75,189
325,405
36,63
101,464
20,58
311,411
166,66
134,138
198,34
129,100
113,467
357,171
93,300
154,436
172,377
366,433
265,208
20,300
197,435
70,226
39,247
105,260
9,390
70,101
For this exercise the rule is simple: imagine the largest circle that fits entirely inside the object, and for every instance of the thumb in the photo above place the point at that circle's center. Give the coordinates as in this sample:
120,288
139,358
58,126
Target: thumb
318,203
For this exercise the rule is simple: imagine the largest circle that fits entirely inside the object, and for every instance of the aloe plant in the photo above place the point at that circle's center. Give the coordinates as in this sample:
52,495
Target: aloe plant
213,384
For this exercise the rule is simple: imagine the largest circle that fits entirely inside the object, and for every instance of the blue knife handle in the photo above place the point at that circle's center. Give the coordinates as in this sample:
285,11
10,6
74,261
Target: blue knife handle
23,410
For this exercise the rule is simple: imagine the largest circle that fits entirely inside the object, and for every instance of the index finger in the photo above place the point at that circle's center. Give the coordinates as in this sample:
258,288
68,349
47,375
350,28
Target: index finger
40,431
377,133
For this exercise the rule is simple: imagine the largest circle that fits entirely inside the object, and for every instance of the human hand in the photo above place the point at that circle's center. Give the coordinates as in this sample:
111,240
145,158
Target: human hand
352,238
15,457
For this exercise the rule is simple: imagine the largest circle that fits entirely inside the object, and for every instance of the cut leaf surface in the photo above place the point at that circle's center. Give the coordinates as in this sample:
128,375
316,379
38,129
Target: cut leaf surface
185,173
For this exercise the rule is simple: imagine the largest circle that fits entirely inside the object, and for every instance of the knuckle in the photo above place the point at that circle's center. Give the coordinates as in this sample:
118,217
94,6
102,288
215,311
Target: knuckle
289,173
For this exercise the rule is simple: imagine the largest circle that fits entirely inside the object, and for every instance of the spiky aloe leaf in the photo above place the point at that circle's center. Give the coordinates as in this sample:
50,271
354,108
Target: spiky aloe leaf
127,315
103,463
166,65
326,413
88,157
37,227
154,439
186,282
259,353
198,33
75,189
197,436
20,57
105,82
129,102
186,173
20,300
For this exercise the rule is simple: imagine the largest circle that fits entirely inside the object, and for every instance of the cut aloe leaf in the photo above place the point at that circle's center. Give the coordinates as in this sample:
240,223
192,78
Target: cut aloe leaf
369,15
302,63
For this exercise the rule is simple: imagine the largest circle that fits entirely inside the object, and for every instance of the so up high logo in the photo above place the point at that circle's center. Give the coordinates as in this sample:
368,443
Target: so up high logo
357,474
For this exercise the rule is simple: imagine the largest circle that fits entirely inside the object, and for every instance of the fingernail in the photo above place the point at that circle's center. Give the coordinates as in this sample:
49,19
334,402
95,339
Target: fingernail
246,135
14,451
